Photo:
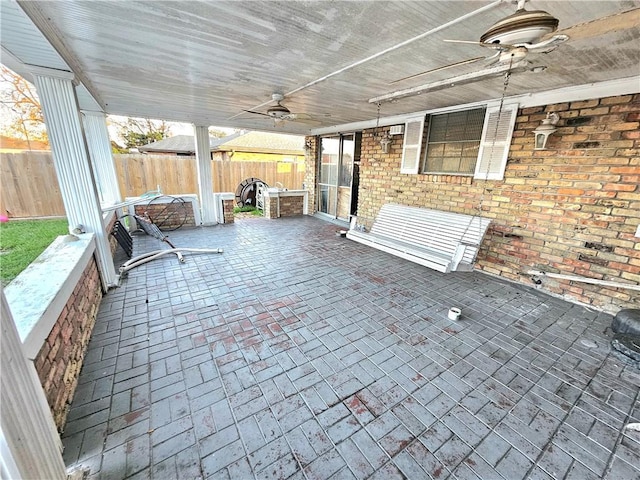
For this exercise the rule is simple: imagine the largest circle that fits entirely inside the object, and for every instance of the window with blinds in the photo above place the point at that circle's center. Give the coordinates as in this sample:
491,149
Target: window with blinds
453,142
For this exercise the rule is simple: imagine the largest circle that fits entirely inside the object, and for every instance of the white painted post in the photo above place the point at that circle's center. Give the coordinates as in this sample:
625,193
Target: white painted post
29,443
205,180
97,135
71,161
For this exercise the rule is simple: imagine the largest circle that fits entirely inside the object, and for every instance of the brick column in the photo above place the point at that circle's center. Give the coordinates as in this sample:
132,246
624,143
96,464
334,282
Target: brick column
311,171
227,206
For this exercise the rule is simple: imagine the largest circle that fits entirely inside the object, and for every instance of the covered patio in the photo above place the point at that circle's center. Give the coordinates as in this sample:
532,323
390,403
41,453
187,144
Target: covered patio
300,354
297,353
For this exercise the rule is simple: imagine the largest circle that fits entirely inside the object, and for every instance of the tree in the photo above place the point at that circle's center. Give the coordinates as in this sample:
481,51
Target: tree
215,133
139,131
20,101
25,119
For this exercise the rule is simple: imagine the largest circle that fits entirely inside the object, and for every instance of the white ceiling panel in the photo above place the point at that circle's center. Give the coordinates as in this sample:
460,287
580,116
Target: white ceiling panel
207,61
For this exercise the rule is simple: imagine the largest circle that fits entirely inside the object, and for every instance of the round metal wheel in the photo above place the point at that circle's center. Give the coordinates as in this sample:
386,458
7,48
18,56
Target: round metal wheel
172,216
247,192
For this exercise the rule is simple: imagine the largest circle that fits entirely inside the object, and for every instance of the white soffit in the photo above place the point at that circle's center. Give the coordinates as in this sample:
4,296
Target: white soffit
21,38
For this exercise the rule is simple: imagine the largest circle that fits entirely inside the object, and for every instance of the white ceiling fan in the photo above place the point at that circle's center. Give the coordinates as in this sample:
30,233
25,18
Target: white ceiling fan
513,38
279,113
530,32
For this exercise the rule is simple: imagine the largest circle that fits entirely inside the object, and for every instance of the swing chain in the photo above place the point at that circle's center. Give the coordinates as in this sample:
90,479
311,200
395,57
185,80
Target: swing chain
505,84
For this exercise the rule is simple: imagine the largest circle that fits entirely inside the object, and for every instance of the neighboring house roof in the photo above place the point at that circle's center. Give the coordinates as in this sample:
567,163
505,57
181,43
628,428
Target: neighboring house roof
11,144
264,142
177,144
257,142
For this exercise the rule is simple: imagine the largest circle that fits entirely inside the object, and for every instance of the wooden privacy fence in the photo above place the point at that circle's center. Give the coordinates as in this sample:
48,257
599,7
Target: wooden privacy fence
30,188
29,185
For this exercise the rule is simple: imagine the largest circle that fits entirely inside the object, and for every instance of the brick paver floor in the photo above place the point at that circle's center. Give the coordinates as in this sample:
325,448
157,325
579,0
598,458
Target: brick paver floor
300,354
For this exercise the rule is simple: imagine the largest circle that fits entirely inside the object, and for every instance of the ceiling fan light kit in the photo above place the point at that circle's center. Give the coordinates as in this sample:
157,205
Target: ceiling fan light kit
278,110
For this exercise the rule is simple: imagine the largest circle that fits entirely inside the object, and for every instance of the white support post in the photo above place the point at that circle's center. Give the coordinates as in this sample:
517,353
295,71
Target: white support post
205,180
29,443
97,135
72,164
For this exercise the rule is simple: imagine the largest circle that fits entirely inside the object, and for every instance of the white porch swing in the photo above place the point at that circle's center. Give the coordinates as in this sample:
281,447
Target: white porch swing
443,241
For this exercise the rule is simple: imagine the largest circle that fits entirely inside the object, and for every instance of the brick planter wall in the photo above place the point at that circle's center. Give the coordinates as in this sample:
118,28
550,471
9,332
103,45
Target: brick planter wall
60,359
291,206
571,209
168,215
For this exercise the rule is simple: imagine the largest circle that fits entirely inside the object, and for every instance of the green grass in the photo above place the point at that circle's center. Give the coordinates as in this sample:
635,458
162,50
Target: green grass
248,208
21,241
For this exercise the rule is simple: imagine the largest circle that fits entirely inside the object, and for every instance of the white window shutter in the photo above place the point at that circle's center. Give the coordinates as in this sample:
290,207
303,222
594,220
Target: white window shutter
413,129
495,143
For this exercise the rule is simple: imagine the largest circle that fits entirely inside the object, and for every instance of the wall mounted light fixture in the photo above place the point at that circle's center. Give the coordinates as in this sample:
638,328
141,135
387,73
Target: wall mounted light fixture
546,128
307,146
385,141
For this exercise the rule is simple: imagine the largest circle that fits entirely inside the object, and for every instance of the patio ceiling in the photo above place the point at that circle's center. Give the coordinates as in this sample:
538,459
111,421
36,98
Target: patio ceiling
206,62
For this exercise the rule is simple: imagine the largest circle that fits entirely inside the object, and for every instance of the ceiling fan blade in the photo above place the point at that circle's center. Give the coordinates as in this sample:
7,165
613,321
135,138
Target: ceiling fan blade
256,113
311,117
302,118
602,26
471,42
434,70
493,46
548,45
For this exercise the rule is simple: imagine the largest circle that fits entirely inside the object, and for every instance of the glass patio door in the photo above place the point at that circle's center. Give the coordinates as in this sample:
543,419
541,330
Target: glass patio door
335,181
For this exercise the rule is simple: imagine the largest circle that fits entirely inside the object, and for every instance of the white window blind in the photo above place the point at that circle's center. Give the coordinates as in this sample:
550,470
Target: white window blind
495,143
413,129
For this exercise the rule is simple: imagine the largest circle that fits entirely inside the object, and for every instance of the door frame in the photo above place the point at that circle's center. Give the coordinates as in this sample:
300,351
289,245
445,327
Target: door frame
356,137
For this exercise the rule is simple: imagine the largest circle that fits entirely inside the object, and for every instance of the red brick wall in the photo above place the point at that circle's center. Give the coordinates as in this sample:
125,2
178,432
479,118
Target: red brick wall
168,215
291,206
572,208
60,359
113,243
227,207
271,207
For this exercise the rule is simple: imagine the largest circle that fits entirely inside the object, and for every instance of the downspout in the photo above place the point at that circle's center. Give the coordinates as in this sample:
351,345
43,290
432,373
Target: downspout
576,278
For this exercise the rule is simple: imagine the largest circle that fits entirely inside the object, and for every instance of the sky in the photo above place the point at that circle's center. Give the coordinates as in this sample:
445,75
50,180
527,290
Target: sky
175,129
6,118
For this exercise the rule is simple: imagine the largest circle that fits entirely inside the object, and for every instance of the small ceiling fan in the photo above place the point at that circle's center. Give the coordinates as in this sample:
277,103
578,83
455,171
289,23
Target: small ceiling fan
280,113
